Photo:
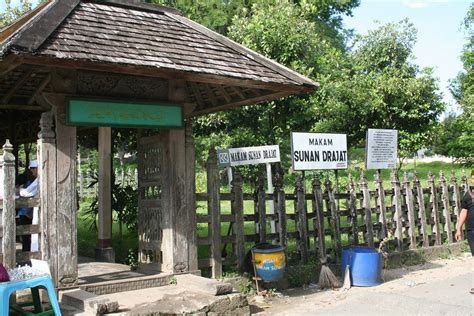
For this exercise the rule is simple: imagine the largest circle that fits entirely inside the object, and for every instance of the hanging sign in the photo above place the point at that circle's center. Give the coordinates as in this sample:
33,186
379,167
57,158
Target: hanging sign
381,149
248,155
313,151
122,114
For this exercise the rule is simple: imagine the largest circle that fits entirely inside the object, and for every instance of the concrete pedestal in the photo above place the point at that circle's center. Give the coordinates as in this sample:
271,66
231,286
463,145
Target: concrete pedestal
105,254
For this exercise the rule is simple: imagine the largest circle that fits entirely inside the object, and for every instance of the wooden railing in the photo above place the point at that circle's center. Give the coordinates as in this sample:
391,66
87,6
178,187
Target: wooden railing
21,257
9,255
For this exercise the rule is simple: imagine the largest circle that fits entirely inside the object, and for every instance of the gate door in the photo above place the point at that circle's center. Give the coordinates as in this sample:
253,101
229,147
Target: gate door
150,159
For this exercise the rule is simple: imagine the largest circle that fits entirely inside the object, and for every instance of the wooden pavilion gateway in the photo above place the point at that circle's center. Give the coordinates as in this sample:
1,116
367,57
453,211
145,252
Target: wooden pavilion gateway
104,63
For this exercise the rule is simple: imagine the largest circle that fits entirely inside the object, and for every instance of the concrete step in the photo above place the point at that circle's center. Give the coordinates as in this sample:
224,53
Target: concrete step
129,284
67,310
88,302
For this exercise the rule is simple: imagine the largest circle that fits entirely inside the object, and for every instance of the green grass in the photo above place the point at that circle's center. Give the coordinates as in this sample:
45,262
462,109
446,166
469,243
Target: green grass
87,240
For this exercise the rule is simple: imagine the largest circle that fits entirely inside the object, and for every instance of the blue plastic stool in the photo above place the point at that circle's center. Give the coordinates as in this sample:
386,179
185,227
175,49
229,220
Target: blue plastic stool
8,288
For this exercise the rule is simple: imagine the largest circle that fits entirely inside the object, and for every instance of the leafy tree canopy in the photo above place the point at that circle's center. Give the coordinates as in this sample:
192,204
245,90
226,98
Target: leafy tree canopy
380,87
461,145
12,13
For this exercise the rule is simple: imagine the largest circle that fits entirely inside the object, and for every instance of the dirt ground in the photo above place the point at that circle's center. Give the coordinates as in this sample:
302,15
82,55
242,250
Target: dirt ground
444,277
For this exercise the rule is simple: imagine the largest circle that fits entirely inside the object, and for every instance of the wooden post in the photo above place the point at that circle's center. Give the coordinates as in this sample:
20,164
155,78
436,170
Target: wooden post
190,191
214,206
446,212
280,205
176,220
302,219
352,206
456,199
319,218
66,202
104,251
421,211
261,210
48,193
81,176
434,208
8,213
335,225
411,211
369,235
381,205
397,204
237,206
178,207
464,184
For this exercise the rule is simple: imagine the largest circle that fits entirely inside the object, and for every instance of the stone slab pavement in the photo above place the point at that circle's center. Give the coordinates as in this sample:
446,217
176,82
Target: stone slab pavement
439,287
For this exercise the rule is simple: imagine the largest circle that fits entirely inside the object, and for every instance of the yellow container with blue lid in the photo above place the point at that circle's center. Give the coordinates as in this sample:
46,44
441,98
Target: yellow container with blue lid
269,261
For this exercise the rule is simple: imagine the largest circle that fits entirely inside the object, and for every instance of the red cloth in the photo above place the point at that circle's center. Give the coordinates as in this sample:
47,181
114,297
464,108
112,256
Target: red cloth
4,277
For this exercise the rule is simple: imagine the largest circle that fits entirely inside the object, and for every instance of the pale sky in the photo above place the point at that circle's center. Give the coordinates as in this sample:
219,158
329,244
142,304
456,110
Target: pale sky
440,39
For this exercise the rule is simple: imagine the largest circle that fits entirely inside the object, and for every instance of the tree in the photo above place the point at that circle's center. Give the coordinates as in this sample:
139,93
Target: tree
291,34
462,88
379,87
12,13
216,15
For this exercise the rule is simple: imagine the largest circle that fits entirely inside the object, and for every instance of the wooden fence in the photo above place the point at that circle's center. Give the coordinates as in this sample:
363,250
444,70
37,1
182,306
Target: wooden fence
320,221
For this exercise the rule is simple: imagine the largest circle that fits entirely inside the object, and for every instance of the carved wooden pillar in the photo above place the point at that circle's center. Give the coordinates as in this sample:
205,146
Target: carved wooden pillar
175,234
8,212
47,192
104,251
178,217
66,204
190,190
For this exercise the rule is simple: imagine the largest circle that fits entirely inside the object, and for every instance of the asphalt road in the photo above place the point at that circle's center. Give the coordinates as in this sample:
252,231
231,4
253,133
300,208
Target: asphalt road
437,288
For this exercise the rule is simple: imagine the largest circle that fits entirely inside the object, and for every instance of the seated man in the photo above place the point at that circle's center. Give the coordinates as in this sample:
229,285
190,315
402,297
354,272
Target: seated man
25,215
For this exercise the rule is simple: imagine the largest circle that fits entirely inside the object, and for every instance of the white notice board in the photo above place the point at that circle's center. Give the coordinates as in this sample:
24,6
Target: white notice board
315,151
249,155
381,149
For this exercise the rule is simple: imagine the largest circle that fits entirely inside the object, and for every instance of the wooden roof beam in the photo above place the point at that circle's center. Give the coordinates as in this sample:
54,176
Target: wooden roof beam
197,93
211,95
260,99
40,88
9,63
238,92
21,107
17,86
224,93
164,73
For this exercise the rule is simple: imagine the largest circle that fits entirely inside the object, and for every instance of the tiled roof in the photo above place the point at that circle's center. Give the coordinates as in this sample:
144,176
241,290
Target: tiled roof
131,41
127,35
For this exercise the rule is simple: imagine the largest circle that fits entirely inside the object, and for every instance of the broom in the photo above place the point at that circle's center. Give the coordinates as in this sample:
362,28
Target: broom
327,279
347,279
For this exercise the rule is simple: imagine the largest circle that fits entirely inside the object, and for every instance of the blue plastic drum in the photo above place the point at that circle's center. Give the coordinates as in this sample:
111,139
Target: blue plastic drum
365,265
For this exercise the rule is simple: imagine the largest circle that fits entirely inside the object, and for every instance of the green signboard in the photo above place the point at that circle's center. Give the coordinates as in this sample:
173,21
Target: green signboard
123,114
